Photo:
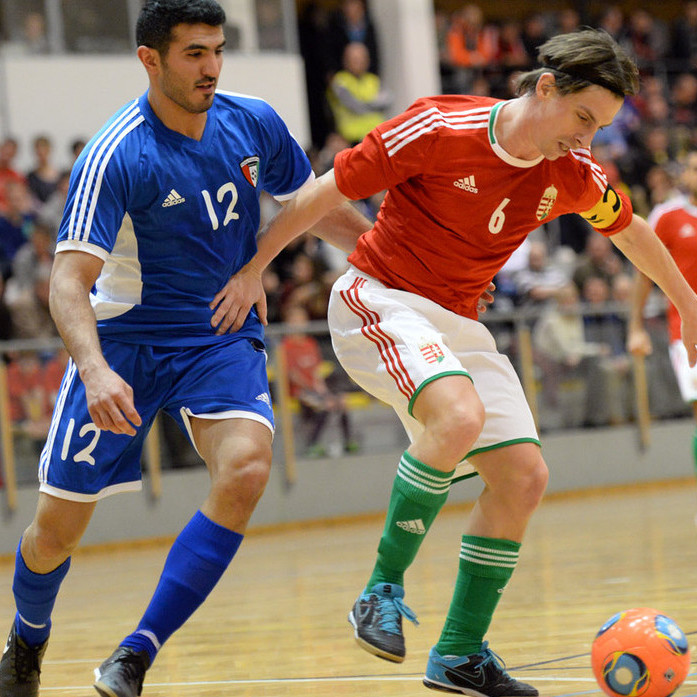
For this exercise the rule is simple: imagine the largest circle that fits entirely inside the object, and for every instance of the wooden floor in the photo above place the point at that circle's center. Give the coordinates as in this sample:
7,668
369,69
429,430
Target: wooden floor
276,624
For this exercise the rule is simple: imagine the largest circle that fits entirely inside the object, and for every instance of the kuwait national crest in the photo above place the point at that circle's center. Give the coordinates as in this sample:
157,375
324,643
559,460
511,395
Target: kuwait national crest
432,352
250,169
544,207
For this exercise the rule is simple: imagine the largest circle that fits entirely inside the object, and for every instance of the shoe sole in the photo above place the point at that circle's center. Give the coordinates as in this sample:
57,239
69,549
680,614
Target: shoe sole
380,653
102,689
104,692
453,689
437,686
446,688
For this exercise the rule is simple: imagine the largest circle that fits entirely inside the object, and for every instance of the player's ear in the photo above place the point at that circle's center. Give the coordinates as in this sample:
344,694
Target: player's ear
546,85
150,58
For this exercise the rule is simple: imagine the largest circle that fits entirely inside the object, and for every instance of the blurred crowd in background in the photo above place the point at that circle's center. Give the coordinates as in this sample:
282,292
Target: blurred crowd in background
563,266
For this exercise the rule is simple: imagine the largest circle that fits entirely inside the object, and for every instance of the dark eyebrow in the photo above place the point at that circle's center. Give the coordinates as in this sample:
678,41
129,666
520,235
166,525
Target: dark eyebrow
202,47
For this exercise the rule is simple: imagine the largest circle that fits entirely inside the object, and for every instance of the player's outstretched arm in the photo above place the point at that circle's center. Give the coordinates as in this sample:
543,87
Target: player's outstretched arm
232,304
342,227
109,397
644,249
638,339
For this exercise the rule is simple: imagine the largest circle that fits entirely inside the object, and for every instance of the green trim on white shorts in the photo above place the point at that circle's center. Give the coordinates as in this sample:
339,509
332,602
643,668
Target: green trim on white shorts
477,451
431,379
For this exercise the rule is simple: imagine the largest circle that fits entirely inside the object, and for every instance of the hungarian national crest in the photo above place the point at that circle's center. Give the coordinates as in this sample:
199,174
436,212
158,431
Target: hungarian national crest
544,207
432,352
250,169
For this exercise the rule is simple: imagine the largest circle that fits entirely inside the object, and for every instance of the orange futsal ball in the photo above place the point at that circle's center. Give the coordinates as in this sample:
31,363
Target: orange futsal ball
640,653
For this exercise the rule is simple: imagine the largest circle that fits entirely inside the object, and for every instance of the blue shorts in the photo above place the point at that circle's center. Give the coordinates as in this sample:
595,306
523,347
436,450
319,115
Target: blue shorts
225,380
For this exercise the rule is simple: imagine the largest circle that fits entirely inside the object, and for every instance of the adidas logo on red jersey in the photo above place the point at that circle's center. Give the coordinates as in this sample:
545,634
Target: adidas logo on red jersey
467,183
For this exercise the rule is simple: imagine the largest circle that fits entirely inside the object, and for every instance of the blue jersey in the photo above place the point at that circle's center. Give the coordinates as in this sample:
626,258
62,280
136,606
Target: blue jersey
173,218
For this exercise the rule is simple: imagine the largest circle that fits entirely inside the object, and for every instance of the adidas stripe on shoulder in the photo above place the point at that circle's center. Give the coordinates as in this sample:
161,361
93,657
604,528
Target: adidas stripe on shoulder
583,155
91,178
431,119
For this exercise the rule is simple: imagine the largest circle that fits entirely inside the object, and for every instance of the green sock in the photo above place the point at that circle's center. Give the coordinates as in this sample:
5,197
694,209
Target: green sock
486,565
418,493
694,449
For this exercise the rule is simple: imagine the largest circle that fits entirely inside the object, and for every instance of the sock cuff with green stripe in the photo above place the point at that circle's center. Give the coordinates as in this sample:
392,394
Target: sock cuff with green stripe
488,557
421,483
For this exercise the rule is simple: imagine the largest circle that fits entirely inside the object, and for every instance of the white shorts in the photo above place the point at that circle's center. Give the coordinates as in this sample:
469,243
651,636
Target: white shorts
392,343
685,375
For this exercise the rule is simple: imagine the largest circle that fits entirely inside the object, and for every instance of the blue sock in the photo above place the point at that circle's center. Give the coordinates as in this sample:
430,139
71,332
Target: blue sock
197,560
35,595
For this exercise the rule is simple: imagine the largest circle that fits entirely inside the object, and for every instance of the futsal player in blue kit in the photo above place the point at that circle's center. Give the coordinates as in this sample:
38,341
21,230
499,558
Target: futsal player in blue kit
163,208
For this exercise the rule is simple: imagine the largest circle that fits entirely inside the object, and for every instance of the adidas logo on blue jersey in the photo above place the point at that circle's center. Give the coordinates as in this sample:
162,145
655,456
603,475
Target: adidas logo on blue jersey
173,199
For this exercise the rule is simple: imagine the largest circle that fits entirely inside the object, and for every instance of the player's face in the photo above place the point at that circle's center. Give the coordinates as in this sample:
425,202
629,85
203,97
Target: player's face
571,121
190,70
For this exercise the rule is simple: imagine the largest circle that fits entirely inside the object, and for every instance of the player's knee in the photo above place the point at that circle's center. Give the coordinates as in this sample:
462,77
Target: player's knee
244,479
255,476
457,428
531,482
48,545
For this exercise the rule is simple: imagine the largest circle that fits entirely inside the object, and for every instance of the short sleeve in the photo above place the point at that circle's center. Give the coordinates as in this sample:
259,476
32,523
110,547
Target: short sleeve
286,166
97,198
391,153
612,213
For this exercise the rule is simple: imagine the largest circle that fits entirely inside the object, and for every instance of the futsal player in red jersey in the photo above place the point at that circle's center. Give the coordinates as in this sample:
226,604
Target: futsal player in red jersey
675,222
467,178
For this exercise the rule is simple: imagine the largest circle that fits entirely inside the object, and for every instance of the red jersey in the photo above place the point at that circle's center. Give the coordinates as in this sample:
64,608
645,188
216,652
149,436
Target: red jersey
303,360
675,222
457,204
25,392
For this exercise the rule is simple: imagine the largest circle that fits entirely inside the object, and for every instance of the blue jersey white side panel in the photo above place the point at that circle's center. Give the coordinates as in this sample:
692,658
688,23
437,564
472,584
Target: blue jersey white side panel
173,217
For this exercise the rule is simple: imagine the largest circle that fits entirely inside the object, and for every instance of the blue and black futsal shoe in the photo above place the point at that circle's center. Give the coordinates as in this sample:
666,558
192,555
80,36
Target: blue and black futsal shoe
481,674
122,674
20,667
377,618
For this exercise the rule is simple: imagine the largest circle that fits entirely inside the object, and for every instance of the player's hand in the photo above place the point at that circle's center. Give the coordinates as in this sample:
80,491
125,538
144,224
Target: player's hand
486,298
232,304
639,342
110,401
